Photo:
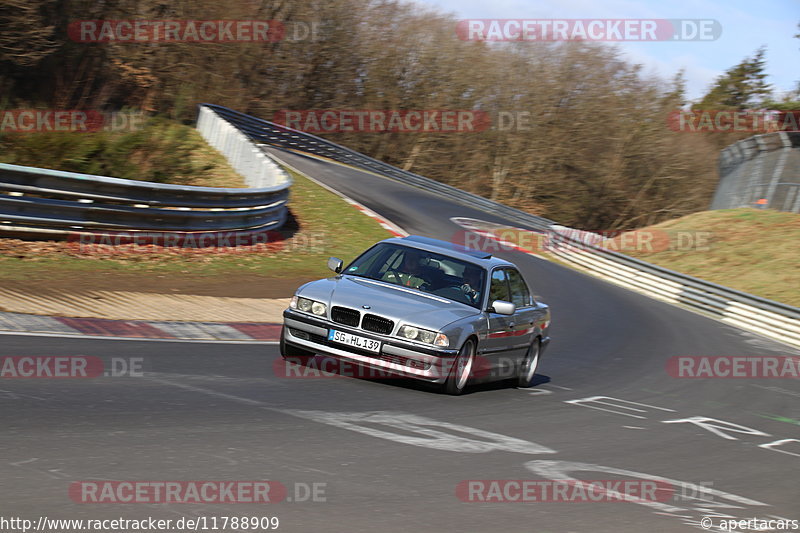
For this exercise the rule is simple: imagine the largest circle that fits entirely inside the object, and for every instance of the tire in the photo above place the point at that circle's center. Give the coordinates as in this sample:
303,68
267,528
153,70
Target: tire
461,370
527,369
292,352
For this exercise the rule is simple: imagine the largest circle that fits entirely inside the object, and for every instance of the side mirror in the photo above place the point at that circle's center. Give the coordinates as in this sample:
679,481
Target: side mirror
335,264
502,307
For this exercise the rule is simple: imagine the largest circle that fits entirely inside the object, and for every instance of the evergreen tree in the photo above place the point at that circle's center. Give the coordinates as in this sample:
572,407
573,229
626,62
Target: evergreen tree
741,87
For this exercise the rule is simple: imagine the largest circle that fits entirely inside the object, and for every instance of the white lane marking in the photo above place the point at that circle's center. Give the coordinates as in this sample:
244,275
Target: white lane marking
561,470
622,404
773,445
718,427
31,460
778,390
209,392
27,464
10,395
429,433
538,392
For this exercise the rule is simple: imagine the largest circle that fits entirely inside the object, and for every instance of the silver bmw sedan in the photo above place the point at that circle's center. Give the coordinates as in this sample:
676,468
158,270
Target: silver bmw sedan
425,309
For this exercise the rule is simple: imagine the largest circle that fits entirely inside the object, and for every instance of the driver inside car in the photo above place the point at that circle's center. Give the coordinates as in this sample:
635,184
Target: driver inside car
472,284
410,273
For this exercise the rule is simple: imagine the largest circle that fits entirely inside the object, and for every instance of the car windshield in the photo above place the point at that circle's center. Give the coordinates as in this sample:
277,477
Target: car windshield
428,272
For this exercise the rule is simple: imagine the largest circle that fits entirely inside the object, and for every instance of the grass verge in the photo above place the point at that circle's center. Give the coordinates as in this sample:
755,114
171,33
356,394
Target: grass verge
752,250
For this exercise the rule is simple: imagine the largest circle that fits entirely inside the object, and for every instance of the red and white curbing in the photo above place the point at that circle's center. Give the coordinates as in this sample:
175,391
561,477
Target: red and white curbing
19,323
385,224
389,226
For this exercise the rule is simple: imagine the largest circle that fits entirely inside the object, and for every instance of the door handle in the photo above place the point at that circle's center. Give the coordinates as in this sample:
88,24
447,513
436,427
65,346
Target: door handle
511,325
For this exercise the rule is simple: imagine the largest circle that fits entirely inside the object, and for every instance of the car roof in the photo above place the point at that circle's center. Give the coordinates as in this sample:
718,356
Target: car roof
456,251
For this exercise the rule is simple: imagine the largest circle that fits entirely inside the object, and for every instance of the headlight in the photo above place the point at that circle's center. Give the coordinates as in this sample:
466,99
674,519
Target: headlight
424,335
409,332
309,306
293,303
304,304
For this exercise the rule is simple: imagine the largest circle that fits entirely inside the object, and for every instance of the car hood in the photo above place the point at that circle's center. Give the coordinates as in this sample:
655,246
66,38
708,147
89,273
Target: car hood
397,303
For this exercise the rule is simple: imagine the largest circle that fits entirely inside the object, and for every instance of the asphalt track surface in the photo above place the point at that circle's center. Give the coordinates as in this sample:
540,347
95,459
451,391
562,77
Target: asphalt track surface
387,455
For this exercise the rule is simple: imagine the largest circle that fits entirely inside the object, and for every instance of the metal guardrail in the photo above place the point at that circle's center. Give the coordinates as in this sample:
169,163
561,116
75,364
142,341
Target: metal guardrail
257,168
36,202
760,171
263,131
766,317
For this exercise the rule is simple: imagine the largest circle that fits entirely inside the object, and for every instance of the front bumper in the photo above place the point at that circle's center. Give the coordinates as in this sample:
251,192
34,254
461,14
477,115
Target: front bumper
396,356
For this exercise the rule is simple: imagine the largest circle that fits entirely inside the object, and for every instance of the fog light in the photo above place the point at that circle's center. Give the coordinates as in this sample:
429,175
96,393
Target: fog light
299,334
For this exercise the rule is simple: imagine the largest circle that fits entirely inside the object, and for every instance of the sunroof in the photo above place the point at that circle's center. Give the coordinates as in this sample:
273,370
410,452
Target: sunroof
478,254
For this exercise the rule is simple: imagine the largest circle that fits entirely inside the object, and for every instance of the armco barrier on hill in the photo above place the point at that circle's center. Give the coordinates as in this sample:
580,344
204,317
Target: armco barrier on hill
761,171
35,201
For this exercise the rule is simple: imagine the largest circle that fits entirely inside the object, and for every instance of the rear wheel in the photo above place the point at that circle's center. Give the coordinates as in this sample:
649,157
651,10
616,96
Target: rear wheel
462,369
528,368
292,352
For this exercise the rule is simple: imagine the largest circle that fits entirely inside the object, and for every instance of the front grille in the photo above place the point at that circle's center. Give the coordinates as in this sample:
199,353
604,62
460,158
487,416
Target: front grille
378,324
346,316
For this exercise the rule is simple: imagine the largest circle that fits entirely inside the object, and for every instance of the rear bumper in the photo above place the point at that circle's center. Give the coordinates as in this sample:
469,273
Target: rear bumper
395,357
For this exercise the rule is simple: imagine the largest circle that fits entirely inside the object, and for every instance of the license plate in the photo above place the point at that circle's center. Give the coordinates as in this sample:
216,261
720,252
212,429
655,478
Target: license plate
354,340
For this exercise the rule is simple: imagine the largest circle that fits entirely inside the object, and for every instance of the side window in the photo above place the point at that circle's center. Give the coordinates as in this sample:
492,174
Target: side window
520,295
499,288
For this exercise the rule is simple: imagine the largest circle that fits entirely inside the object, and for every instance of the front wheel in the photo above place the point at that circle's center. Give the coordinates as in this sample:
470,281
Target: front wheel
528,368
462,369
